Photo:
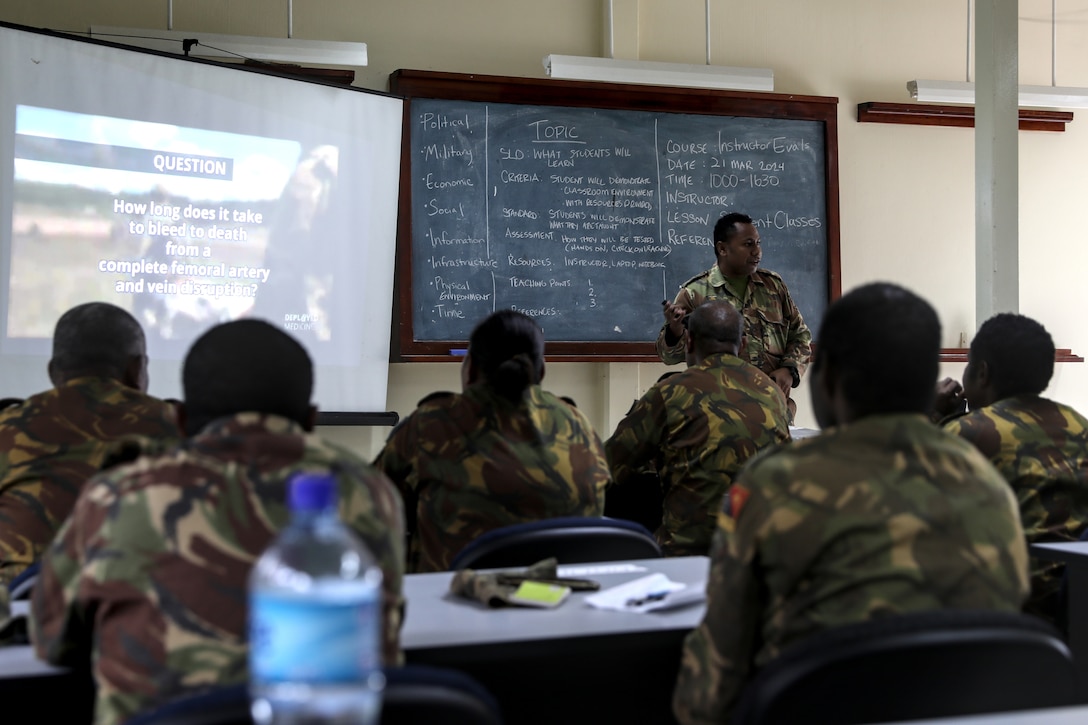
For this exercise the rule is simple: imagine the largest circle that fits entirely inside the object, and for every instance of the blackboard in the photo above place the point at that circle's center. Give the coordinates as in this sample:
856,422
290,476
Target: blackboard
585,205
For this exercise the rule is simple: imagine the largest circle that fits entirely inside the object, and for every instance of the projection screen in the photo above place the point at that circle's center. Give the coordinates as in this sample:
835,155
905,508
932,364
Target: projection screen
190,194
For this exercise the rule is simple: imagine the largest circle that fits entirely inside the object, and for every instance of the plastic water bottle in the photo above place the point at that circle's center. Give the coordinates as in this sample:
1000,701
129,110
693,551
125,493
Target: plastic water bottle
315,631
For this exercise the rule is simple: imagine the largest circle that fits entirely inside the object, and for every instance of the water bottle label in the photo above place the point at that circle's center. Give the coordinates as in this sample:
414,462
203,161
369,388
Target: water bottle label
294,639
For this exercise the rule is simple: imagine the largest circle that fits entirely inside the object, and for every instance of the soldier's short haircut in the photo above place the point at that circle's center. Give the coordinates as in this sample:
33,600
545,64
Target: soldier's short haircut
715,326
246,366
508,348
726,226
883,341
1019,353
96,338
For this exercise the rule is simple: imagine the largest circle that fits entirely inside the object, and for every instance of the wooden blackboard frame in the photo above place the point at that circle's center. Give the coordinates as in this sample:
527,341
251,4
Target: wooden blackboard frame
585,94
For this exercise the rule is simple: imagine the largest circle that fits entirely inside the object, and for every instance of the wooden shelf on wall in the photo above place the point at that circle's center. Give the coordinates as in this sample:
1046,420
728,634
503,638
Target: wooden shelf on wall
927,114
959,354
336,76
948,355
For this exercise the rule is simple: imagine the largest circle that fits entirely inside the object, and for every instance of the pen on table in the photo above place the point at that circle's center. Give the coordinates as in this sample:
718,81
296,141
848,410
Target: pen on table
578,585
651,597
459,351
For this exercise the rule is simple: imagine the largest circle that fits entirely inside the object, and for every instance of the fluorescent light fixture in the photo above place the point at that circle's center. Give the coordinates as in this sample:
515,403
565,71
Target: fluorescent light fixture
1032,96
612,70
238,47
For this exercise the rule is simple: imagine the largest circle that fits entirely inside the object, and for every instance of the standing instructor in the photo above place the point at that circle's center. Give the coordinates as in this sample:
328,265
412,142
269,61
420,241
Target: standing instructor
778,341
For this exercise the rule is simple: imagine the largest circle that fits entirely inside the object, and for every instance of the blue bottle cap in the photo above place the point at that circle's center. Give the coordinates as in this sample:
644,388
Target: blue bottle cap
312,492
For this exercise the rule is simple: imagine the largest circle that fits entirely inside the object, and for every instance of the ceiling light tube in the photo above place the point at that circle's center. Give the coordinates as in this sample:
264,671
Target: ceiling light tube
238,47
611,70
1031,96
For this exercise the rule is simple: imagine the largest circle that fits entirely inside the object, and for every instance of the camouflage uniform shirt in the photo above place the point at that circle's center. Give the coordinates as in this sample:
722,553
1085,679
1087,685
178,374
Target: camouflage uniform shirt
476,462
50,445
1041,448
697,429
883,516
777,334
148,576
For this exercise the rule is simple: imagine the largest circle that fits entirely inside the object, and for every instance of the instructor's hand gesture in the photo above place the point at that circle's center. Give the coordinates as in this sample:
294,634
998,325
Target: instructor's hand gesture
674,318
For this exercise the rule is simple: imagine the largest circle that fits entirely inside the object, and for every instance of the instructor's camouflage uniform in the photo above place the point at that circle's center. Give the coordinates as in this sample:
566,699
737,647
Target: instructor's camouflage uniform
476,462
148,576
777,334
883,516
1041,448
698,428
50,445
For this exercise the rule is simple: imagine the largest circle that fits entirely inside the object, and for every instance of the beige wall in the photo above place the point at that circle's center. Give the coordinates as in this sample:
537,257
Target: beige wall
906,192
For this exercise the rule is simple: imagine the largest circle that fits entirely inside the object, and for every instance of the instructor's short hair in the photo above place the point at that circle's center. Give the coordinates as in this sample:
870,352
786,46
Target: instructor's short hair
1019,353
246,366
96,338
883,342
726,226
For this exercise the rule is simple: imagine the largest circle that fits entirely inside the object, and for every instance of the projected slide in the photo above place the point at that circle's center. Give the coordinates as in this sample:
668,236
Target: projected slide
177,225
191,193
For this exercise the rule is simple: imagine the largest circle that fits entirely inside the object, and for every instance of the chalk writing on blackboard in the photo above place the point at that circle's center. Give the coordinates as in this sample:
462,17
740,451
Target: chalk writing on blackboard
587,218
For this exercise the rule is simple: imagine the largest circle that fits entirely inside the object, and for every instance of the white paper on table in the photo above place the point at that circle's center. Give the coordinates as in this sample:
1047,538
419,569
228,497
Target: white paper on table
584,570
647,594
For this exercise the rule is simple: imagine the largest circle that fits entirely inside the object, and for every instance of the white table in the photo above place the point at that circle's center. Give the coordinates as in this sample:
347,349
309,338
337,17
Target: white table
797,433
573,664
1051,716
435,619
20,660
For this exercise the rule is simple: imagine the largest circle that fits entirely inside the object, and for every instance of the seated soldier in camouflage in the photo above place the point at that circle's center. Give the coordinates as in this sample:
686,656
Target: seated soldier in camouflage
778,340
698,428
51,443
147,579
881,514
502,452
1038,445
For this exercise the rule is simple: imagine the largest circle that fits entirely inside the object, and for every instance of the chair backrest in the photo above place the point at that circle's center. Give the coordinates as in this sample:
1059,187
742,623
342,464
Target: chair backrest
226,705
413,694
423,694
927,665
571,540
21,586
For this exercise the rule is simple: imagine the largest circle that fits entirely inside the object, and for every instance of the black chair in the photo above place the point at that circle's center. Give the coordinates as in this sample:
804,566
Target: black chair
928,665
570,539
413,694
61,697
423,694
227,705
23,585
641,499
